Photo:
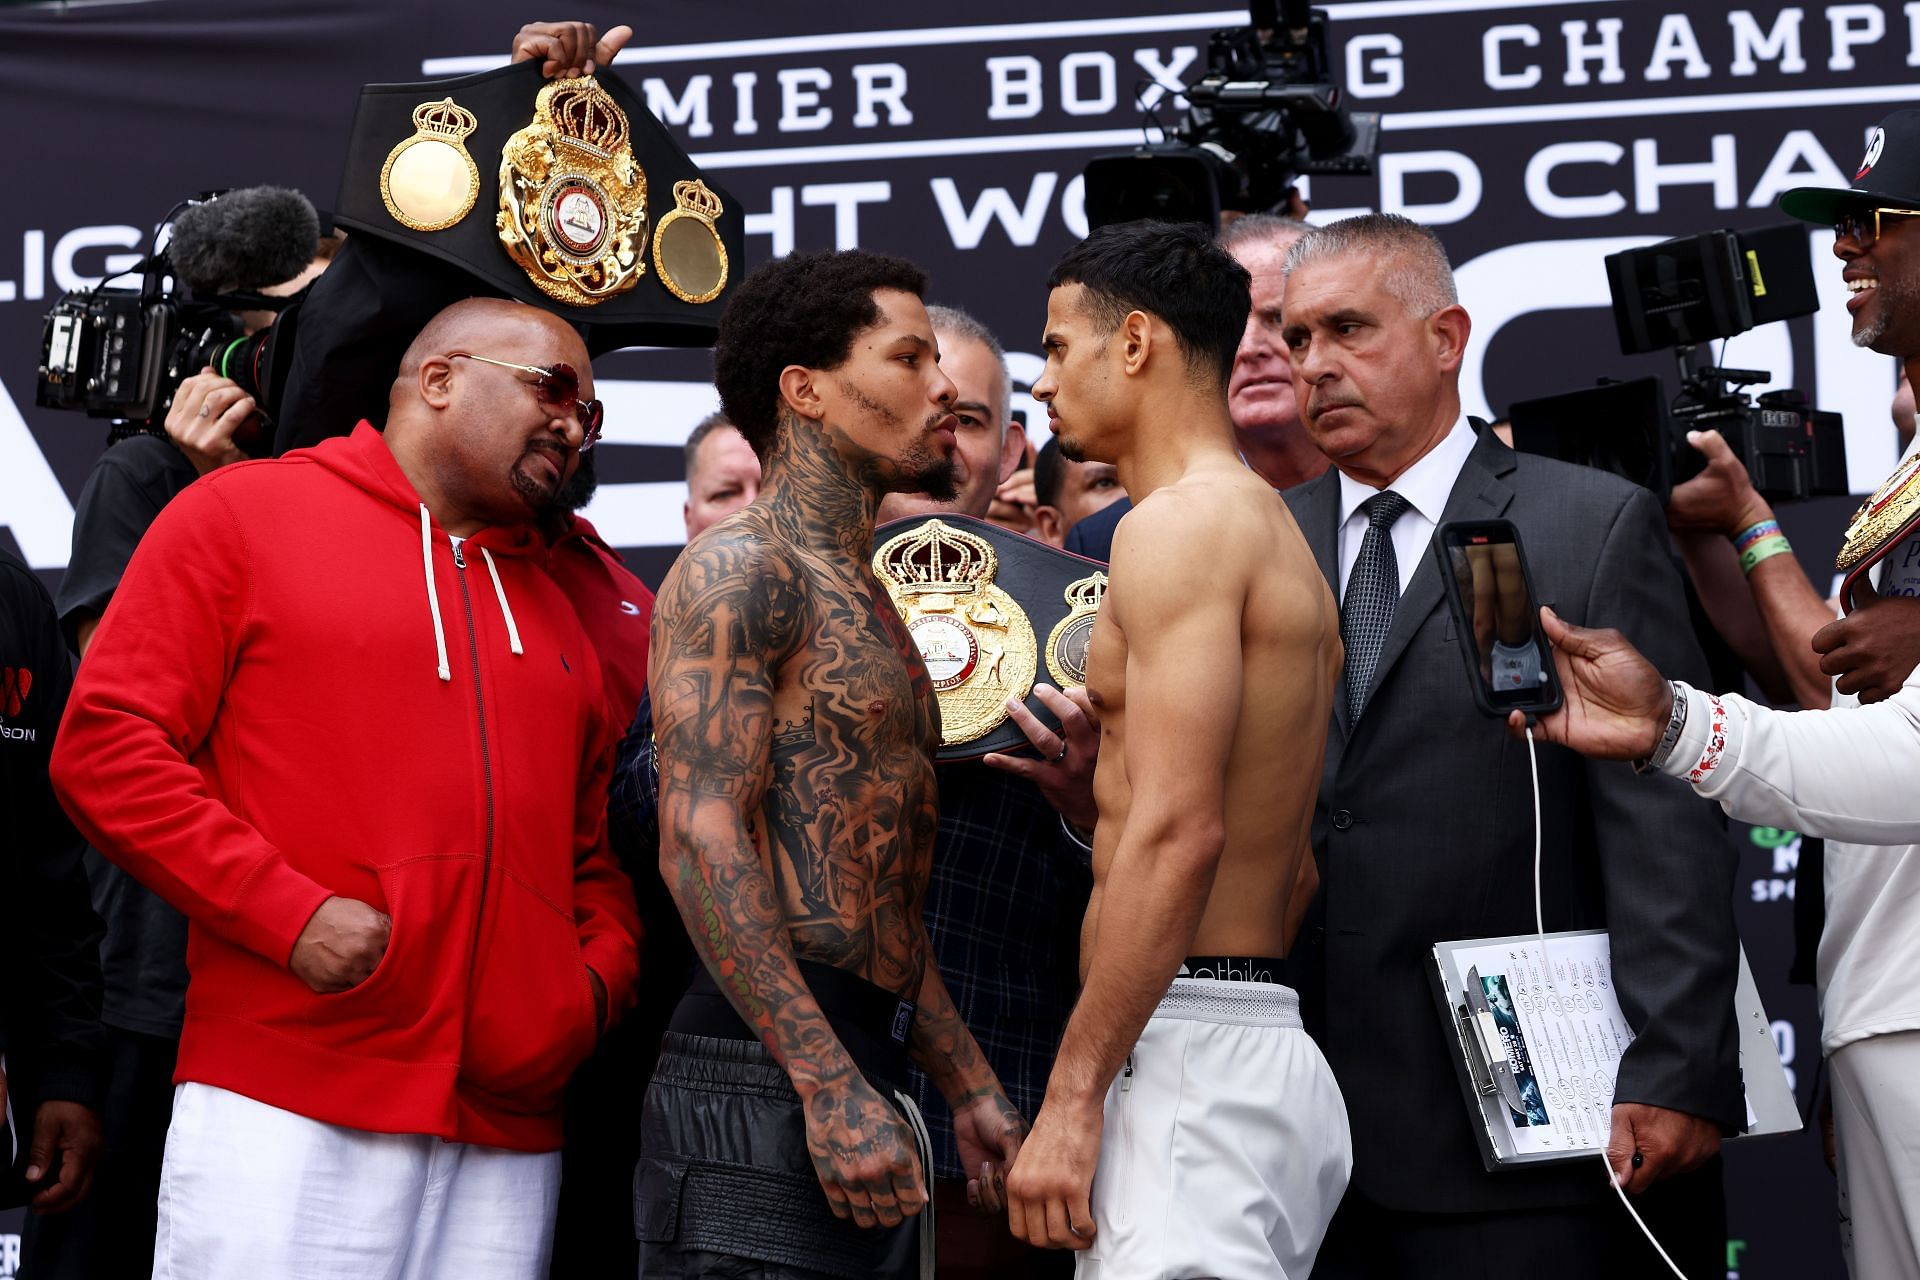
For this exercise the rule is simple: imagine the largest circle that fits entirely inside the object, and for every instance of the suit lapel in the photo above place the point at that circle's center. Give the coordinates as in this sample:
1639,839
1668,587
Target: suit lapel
1320,525
1480,493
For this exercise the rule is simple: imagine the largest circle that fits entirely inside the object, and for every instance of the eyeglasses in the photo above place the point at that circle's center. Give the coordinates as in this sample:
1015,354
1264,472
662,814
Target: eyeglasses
558,388
1856,224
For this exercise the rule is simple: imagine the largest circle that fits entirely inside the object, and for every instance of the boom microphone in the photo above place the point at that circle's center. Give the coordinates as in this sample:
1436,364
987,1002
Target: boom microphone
246,239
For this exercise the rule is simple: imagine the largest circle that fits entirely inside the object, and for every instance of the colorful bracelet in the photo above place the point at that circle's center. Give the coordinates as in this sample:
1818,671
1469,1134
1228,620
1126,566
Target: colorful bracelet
1753,533
1765,549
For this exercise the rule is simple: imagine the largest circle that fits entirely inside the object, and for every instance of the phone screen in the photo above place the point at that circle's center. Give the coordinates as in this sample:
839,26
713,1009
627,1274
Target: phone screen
1497,617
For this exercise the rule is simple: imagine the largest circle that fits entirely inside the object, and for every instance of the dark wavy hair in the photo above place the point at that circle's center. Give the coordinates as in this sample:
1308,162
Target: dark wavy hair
804,309
1173,270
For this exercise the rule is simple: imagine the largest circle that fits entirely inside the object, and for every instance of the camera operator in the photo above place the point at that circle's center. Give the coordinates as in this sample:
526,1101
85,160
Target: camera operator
1846,774
211,422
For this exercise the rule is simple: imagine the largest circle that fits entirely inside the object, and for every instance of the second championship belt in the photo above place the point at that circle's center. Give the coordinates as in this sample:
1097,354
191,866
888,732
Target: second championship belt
977,600
1883,522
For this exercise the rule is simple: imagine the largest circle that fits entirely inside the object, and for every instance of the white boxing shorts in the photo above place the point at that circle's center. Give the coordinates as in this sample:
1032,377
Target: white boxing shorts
1225,1149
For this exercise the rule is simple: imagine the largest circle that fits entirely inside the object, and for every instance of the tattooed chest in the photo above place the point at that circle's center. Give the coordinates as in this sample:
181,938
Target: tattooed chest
850,806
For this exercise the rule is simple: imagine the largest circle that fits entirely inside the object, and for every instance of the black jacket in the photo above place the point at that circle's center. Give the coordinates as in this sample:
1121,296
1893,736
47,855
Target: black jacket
49,935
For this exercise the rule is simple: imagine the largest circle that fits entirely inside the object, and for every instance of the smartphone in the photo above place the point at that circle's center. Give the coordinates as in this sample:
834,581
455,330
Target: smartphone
1496,615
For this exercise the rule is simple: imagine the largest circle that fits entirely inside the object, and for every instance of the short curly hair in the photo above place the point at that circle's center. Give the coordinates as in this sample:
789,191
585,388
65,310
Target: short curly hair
804,309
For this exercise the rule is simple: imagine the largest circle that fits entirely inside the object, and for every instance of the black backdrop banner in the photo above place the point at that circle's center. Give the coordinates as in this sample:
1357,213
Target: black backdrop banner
1535,137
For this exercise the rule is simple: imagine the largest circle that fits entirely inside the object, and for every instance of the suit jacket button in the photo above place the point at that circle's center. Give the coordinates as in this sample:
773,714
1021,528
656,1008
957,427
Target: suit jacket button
1342,819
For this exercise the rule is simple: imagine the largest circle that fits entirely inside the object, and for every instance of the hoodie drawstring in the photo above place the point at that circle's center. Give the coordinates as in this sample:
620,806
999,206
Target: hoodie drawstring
500,593
433,597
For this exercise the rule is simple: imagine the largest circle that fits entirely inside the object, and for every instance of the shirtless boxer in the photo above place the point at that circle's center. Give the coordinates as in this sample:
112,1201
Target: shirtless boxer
796,727
1191,1128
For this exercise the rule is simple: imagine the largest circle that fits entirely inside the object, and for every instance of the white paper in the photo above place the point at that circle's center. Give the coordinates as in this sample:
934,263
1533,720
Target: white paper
1564,1039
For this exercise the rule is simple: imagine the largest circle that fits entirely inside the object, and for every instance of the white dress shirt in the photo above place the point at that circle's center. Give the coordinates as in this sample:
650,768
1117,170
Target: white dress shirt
1426,485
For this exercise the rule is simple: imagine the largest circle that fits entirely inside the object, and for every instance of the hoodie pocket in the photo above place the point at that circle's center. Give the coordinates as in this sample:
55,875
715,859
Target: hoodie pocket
530,1018
404,1008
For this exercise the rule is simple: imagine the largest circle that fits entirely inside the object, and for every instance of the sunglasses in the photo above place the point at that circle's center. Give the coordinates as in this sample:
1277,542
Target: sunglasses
558,388
1863,225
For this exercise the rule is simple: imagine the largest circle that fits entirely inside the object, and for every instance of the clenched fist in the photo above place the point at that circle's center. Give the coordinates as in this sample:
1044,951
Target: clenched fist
340,946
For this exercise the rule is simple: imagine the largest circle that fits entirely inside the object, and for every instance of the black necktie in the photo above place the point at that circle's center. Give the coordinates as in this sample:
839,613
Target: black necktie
1366,615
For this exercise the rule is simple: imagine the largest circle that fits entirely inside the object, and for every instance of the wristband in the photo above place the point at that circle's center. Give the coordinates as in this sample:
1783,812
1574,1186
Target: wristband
1754,532
1764,549
1676,722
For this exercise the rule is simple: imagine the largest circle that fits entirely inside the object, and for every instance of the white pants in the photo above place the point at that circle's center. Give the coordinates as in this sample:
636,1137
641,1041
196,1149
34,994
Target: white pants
1876,1121
1225,1148
251,1192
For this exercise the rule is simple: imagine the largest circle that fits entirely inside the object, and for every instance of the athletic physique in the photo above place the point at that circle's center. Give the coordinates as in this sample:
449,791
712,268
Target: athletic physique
1212,664
796,726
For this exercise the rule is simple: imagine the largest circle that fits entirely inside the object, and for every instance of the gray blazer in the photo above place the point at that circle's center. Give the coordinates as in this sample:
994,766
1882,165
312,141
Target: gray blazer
1424,832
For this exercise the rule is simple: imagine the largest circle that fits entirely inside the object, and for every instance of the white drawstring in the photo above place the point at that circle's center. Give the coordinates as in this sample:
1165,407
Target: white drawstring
924,1141
500,593
433,597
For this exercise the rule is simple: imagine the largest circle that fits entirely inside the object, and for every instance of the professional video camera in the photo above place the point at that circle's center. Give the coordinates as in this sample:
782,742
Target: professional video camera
1682,294
1265,112
121,353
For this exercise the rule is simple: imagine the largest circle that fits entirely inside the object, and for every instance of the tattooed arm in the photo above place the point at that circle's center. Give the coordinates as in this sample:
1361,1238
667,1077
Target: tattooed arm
987,1128
727,616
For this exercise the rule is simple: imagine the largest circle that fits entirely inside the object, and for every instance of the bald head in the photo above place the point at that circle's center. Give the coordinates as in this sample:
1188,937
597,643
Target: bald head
468,420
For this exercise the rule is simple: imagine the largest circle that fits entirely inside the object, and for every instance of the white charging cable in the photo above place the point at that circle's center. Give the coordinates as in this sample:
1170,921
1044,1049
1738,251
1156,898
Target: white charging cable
1546,962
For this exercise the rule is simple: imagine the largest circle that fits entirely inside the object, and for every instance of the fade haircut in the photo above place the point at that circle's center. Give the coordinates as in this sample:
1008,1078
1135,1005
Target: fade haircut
804,309
1172,270
1413,262
701,430
1260,228
1049,473
962,324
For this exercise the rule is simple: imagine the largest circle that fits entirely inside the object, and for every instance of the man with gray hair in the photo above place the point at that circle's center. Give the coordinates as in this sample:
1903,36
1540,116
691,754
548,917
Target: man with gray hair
1266,422
1424,830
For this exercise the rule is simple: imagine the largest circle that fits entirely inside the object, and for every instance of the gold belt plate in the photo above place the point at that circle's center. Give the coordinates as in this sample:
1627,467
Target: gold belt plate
976,641
1067,644
1893,505
573,201
429,182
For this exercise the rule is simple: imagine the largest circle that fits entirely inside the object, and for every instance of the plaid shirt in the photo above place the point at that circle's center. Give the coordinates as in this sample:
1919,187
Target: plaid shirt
1003,909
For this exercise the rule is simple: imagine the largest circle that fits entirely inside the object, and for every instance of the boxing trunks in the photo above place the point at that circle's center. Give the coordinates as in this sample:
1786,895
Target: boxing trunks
725,1185
1225,1147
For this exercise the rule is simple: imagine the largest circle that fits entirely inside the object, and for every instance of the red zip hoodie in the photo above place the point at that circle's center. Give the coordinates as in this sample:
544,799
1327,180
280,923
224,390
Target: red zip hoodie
302,689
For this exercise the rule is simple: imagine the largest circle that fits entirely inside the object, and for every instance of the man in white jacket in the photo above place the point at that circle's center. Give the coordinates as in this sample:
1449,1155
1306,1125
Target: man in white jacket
1847,774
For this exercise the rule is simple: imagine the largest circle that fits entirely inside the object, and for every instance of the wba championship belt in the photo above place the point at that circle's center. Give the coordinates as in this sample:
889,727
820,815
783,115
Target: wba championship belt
1883,522
565,193
991,612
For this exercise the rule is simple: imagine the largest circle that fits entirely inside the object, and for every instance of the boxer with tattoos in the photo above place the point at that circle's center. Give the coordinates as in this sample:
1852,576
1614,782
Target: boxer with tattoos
796,726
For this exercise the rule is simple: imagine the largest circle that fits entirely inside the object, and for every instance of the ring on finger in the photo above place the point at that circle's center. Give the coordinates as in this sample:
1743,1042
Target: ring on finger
1062,755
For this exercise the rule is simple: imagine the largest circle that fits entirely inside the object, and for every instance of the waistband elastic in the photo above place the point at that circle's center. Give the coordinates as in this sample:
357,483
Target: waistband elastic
1249,1004
872,1023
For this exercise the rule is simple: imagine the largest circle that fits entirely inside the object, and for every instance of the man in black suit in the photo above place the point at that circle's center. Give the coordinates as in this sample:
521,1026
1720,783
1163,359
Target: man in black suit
1424,828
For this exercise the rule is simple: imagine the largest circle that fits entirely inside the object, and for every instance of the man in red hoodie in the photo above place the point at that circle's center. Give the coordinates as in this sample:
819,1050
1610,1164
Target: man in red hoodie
339,716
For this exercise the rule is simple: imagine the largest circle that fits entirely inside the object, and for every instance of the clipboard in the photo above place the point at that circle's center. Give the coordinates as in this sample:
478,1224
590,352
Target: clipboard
1537,1061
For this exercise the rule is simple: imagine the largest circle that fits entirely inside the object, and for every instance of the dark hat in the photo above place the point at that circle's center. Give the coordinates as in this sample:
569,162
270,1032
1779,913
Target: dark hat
1889,175
597,190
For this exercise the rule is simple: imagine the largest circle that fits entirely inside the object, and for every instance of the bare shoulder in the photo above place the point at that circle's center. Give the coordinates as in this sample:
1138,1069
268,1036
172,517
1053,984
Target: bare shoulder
1216,527
738,576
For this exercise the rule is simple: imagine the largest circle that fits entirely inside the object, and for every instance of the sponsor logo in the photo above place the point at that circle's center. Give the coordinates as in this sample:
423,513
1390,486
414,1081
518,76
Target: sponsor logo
629,607
1875,145
15,682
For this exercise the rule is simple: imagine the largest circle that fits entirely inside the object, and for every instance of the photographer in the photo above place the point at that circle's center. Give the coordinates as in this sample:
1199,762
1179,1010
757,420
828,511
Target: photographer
1845,774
